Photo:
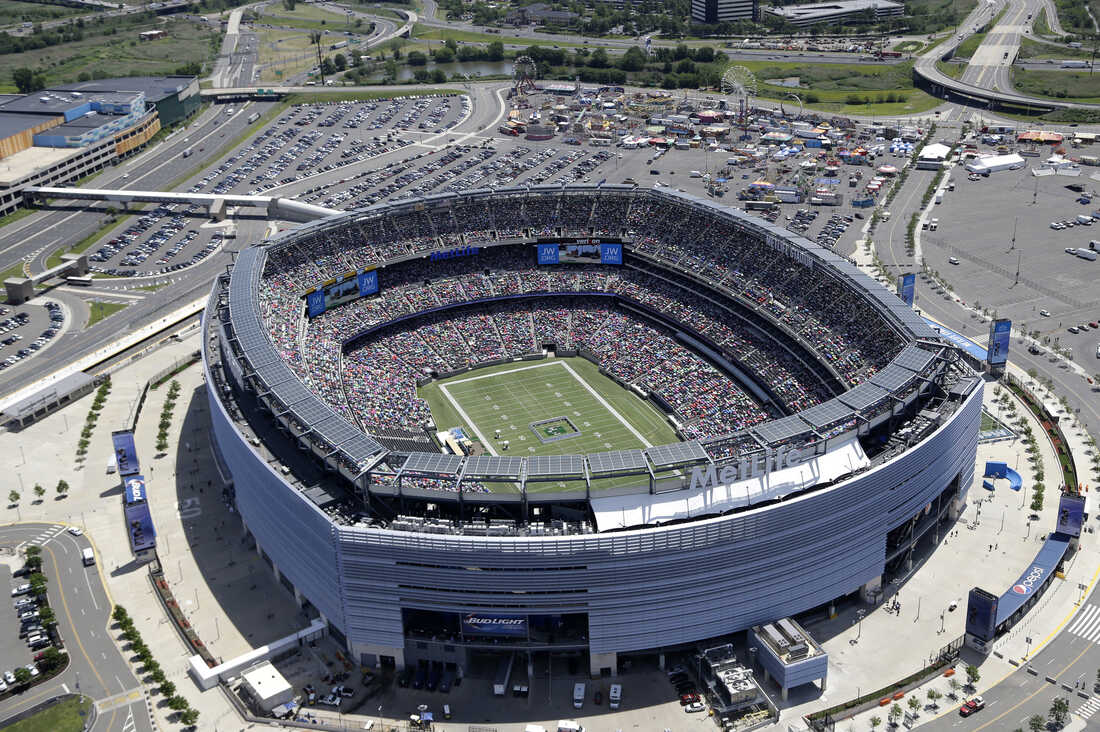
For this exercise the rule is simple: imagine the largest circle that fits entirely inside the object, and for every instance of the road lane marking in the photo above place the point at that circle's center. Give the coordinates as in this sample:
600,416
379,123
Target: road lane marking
72,623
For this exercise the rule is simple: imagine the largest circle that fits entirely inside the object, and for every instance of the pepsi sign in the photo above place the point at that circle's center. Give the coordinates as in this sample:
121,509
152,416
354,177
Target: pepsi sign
1027,585
134,489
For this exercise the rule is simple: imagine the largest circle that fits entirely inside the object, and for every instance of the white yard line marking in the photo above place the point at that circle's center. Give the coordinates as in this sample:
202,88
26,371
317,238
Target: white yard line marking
473,425
495,374
596,395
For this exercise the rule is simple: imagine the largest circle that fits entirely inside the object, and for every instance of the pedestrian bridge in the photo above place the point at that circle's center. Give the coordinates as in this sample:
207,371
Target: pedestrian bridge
285,209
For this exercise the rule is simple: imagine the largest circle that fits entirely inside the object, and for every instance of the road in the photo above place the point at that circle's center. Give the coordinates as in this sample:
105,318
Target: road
33,238
97,667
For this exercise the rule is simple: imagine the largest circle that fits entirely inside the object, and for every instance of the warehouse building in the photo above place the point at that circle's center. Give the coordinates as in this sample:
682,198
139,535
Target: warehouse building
842,11
60,135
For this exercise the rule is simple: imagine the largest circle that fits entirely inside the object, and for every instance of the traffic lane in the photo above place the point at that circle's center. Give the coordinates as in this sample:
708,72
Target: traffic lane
101,669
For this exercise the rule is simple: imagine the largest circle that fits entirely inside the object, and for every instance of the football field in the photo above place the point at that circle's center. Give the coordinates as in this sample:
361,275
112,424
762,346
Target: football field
551,407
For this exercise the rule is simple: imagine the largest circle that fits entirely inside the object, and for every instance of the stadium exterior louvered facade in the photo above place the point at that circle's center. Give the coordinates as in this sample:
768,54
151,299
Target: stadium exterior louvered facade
610,591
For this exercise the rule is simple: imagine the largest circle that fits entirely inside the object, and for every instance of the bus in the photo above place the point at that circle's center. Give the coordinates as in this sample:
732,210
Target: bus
759,205
79,281
253,117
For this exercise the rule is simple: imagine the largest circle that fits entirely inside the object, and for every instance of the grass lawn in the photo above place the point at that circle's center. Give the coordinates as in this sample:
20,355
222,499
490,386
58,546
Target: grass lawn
311,17
1035,50
65,716
101,310
932,15
284,54
1079,86
967,48
13,11
594,411
827,87
954,70
16,270
441,34
1041,27
121,54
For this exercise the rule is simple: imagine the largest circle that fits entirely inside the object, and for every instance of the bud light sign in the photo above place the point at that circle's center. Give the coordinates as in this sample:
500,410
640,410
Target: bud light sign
493,624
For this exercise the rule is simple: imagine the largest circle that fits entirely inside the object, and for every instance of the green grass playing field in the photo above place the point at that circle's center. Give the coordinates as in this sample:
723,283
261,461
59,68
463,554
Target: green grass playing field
511,397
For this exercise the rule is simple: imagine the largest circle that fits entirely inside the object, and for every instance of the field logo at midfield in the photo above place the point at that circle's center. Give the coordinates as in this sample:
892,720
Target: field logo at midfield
749,467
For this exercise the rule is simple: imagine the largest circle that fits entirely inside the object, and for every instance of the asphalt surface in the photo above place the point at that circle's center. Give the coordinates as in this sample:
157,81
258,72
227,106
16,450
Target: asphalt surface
97,667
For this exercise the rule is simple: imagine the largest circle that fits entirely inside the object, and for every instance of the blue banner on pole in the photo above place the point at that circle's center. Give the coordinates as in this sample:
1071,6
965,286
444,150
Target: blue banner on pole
611,253
908,289
125,452
139,527
315,303
368,283
548,253
1000,331
981,614
1071,514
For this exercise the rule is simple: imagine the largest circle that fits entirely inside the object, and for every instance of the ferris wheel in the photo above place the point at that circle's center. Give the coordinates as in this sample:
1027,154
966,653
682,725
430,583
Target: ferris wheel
738,81
524,70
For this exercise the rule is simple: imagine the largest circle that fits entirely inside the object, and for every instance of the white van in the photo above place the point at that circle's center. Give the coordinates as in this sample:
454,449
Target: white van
615,696
935,224
569,725
88,556
578,695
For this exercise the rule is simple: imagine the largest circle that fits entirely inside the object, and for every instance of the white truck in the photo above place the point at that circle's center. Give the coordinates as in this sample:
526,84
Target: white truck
1087,254
615,696
578,695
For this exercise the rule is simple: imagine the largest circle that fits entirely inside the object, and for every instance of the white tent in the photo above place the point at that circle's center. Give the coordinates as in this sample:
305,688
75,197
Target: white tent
995,163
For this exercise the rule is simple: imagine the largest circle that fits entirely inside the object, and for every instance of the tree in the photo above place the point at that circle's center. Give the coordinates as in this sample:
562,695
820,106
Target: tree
289,4
495,51
38,583
62,488
13,497
1059,710
973,675
416,58
39,491
167,688
177,703
51,659
914,703
327,69
119,613
438,76
1036,723
22,675
27,81
875,722
599,59
895,714
340,61
933,697
633,60
189,716
46,616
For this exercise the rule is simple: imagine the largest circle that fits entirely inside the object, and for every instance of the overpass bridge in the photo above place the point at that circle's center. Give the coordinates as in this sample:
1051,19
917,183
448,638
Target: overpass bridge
286,209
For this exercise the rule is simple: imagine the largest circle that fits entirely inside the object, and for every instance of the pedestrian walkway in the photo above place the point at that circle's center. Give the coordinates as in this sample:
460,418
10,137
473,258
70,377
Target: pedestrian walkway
1089,708
42,538
1087,624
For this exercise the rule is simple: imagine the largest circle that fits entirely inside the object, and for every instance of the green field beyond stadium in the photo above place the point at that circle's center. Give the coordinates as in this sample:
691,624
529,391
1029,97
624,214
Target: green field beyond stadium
557,406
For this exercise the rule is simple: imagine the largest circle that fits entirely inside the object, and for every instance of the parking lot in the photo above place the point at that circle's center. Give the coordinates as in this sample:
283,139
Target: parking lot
998,229
28,328
167,239
22,635
650,698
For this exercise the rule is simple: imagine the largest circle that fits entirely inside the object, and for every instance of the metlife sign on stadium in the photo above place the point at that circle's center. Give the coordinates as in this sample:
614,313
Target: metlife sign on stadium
494,624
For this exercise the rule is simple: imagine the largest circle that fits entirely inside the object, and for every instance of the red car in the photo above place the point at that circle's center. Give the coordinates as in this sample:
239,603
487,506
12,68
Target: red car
686,699
974,705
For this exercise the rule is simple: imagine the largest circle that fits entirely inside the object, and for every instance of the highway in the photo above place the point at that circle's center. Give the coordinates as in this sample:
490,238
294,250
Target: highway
97,667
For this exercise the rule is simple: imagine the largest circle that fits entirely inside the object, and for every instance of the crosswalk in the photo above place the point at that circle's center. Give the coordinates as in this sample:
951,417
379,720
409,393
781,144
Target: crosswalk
1088,709
47,533
1087,624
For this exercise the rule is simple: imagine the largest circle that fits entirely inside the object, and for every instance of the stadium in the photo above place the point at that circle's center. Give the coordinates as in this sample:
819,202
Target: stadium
586,421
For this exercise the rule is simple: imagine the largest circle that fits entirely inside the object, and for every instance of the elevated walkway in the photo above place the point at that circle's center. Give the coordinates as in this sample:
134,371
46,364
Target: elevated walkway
275,208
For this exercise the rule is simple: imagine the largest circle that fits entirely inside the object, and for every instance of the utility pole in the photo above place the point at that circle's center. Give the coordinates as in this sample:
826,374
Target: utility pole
1014,222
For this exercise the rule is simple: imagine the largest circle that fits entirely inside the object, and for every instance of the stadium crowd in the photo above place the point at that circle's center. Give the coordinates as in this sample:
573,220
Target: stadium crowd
375,382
